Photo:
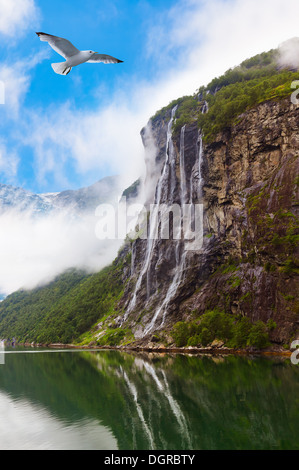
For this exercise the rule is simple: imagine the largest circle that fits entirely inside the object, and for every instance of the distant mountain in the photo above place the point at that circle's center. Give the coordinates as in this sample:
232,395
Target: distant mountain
78,201
19,199
85,199
76,206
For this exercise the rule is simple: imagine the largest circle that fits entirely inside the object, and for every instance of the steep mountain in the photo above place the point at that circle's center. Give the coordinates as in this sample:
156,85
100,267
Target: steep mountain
247,181
229,155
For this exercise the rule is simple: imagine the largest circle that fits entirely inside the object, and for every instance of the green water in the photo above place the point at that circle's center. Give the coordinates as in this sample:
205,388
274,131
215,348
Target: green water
112,400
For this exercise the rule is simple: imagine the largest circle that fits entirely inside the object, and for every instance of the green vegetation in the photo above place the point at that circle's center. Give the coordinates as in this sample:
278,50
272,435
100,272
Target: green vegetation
235,332
276,234
187,112
113,337
254,81
63,310
291,266
234,99
132,191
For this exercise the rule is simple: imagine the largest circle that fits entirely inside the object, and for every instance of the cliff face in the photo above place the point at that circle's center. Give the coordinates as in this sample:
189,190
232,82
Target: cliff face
247,263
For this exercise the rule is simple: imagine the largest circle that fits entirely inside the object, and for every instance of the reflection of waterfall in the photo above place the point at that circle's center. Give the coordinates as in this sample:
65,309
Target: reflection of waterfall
142,408
133,392
164,388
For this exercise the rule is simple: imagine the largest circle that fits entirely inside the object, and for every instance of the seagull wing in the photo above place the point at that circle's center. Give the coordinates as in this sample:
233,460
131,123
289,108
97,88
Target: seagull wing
106,59
60,45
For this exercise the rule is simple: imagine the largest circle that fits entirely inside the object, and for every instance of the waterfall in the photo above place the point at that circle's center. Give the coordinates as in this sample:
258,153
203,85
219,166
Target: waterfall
200,157
182,167
196,176
172,165
133,259
205,108
179,258
165,192
169,157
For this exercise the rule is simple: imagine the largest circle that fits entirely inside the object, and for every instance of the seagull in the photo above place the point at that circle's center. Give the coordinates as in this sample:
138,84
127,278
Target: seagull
72,55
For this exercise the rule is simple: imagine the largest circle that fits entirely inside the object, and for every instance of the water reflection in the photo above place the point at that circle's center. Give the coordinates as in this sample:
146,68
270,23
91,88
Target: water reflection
25,426
109,400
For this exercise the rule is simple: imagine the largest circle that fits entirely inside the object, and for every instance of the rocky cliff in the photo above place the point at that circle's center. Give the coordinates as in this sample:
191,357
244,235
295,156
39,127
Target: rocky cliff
215,252
246,179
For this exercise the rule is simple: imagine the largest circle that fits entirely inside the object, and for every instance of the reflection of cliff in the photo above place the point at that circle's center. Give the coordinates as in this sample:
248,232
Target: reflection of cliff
169,402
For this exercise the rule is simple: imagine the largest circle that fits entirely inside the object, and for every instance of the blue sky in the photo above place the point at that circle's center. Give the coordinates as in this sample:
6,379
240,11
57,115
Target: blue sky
61,132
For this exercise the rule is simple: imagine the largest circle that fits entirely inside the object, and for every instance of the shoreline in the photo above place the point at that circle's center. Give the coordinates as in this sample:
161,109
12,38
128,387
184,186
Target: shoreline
219,351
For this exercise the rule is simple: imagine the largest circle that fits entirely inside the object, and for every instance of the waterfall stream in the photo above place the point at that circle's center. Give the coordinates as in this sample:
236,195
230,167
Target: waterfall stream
152,238
180,257
165,194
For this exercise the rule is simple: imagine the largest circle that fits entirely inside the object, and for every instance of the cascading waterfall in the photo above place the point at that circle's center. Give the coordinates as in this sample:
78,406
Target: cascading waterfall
182,167
168,180
205,108
151,239
200,157
180,258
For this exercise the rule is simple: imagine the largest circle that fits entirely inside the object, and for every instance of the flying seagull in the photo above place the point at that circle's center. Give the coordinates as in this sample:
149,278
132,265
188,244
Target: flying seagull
72,55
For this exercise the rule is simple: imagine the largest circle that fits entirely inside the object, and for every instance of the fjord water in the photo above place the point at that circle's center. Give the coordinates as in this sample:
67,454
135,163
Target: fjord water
113,400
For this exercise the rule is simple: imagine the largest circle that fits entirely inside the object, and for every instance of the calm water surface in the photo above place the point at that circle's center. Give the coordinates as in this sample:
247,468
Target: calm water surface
110,400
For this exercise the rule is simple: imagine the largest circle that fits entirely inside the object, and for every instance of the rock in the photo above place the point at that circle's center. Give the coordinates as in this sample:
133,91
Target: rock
155,339
217,343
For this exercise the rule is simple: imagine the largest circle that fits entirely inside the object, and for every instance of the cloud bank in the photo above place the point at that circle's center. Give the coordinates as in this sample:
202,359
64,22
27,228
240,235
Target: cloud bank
17,16
33,250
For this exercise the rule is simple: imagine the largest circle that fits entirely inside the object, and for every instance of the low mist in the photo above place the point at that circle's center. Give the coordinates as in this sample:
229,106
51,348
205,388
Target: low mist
289,54
35,249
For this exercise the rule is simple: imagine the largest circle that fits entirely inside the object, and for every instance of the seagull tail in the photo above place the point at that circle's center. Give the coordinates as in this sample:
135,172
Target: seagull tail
61,68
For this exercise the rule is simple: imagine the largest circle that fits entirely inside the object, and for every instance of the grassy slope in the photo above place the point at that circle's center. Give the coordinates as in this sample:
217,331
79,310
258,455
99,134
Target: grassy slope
62,310
254,81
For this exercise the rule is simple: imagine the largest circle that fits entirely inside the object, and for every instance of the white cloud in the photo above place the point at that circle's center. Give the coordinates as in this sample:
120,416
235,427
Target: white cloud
101,140
289,53
16,84
206,37
8,162
16,78
16,16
